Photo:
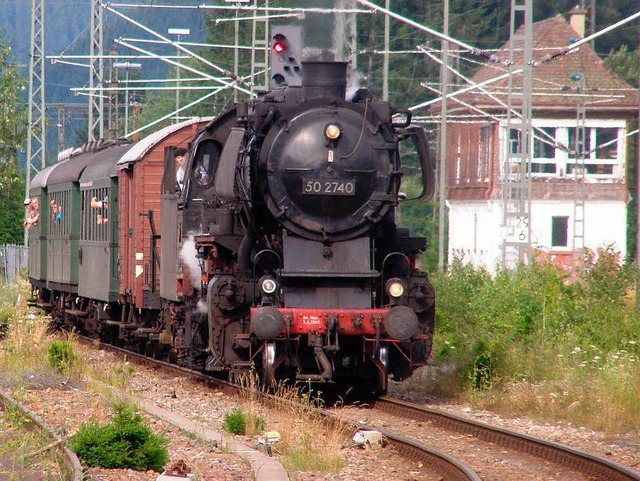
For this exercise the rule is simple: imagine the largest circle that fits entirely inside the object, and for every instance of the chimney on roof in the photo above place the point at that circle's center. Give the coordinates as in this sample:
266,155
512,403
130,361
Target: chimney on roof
577,18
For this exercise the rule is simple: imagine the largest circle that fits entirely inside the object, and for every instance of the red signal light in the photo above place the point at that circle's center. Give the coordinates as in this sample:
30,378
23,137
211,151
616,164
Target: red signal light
279,44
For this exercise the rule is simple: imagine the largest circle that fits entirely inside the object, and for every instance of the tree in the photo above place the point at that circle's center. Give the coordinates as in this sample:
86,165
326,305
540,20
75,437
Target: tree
625,64
12,138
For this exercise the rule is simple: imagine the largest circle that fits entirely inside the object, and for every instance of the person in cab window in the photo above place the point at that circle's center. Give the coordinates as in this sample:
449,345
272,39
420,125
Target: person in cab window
180,156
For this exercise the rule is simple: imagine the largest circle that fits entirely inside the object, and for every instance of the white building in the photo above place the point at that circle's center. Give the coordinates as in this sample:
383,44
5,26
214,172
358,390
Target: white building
595,206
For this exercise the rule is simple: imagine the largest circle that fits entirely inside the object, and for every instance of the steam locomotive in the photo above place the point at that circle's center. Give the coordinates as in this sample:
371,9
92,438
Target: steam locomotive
279,255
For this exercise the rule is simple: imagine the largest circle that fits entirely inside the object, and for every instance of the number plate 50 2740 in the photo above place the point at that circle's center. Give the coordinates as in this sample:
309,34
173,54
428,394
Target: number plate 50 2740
328,187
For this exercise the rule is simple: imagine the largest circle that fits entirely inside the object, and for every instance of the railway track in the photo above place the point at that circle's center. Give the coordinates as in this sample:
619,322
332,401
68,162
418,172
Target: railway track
590,465
443,465
69,459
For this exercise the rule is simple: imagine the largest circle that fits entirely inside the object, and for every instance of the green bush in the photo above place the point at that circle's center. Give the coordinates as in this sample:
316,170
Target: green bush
126,442
234,422
61,355
499,328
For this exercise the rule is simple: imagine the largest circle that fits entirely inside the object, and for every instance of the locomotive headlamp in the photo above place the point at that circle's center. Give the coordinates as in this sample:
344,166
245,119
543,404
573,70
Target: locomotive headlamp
268,285
332,131
395,287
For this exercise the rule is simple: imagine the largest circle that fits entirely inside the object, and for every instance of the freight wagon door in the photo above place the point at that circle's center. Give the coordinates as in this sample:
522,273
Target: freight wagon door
126,218
169,229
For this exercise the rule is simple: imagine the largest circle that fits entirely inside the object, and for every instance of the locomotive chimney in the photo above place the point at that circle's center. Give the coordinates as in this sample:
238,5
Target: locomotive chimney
577,20
324,80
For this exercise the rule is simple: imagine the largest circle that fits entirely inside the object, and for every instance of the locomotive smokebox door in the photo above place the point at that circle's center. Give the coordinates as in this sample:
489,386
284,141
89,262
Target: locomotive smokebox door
331,176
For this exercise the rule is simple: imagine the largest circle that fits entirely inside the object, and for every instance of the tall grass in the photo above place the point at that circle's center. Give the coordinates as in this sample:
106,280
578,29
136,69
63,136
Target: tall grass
535,341
29,357
307,443
23,350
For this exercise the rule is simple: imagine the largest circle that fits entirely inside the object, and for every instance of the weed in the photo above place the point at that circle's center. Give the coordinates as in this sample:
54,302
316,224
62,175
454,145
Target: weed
234,422
21,450
61,355
307,443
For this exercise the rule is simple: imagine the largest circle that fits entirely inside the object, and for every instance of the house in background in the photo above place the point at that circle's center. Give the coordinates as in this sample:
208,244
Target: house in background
477,151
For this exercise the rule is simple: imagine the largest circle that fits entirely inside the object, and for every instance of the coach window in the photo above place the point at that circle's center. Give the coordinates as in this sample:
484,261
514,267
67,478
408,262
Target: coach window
99,203
559,231
84,217
206,161
58,207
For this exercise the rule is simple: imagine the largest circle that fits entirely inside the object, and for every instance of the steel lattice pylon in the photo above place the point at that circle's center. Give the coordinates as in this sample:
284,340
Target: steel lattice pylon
579,172
36,134
260,50
96,74
516,165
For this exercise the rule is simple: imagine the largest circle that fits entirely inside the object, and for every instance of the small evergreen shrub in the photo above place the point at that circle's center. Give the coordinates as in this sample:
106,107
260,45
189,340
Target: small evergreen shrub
234,422
126,442
61,355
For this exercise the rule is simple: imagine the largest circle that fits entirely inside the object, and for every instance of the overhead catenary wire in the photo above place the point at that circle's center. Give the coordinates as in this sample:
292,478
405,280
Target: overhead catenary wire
202,74
245,8
483,90
182,49
565,50
473,50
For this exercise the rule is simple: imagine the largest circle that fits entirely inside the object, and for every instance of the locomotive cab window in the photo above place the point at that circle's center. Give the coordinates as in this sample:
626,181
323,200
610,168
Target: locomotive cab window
205,162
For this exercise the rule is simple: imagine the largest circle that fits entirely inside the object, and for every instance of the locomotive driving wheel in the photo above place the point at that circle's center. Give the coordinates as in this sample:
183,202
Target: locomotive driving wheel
268,364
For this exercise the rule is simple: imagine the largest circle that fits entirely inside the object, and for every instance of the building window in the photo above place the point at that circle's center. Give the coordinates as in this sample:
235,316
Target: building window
544,151
514,141
597,147
559,231
579,141
484,153
600,150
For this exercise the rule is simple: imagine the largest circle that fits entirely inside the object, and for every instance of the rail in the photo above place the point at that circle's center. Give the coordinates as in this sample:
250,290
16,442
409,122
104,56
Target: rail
595,466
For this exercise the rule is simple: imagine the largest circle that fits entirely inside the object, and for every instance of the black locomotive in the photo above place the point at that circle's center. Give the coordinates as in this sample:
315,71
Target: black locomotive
307,276
279,254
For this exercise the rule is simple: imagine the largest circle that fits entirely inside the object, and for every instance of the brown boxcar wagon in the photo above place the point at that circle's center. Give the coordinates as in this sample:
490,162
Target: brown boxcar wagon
140,175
